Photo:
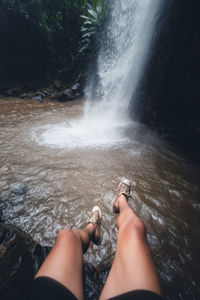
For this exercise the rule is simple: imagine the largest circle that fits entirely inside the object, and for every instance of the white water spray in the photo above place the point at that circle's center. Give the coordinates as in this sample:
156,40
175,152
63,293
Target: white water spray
124,52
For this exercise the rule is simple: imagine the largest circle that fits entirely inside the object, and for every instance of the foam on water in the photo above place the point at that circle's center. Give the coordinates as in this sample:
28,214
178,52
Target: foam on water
82,133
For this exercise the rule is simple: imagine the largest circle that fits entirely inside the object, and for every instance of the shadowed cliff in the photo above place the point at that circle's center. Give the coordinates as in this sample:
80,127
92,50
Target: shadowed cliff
168,100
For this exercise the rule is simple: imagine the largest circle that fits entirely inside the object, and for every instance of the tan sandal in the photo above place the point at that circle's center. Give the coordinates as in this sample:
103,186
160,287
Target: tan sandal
96,220
124,188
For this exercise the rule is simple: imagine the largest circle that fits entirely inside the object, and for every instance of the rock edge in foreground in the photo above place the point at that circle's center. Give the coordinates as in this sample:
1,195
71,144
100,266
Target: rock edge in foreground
21,257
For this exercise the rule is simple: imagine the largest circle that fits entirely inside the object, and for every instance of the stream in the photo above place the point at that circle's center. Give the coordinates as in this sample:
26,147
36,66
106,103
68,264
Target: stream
62,182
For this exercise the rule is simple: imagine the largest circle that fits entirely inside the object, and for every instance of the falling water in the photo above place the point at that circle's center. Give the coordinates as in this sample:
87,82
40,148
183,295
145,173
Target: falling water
124,51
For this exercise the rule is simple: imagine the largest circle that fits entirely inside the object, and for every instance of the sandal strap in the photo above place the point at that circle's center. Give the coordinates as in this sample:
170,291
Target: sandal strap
98,242
97,221
124,194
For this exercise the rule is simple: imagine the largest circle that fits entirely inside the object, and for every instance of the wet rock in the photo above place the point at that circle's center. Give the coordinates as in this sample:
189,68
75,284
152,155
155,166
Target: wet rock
92,283
25,96
56,91
66,95
20,259
41,94
18,188
46,93
75,87
37,98
62,96
67,92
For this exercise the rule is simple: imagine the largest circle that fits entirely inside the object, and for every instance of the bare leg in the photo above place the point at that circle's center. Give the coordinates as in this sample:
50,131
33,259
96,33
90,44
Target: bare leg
133,267
65,261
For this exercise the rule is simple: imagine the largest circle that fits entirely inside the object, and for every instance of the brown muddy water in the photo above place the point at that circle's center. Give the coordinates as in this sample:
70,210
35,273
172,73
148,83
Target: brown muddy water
63,183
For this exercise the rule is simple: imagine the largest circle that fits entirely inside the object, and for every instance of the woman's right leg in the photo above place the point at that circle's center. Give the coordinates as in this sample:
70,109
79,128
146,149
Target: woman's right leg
133,267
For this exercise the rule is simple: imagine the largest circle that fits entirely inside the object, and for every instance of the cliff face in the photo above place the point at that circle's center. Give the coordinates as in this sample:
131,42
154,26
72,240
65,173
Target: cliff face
169,98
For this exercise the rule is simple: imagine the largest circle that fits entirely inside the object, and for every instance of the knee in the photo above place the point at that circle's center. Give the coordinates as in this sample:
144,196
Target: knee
139,224
67,236
134,229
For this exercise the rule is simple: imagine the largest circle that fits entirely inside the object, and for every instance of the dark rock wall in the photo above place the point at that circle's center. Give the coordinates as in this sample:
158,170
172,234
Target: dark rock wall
168,99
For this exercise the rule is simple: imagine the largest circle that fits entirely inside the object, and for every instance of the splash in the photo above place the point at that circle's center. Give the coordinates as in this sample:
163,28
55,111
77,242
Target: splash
82,133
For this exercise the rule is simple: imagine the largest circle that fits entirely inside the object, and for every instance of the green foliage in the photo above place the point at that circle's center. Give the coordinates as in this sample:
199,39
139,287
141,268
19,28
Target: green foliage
68,26
94,15
28,8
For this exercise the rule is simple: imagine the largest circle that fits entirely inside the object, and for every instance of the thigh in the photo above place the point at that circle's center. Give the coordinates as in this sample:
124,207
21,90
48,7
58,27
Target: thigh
133,267
65,263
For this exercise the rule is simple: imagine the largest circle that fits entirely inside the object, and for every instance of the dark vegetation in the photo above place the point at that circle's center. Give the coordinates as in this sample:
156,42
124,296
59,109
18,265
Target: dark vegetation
43,40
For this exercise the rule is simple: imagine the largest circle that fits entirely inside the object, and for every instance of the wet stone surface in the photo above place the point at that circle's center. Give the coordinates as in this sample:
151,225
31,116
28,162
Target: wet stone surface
20,259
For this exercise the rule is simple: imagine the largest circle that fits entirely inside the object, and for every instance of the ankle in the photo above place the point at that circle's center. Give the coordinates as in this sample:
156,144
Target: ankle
122,202
90,229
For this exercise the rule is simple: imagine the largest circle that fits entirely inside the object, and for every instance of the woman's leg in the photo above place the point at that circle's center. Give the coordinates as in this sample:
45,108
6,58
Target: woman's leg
65,261
133,267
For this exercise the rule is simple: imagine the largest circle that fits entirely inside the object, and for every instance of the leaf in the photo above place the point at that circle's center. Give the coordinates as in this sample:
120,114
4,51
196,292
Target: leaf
93,14
88,34
89,6
88,22
99,9
83,48
84,29
84,17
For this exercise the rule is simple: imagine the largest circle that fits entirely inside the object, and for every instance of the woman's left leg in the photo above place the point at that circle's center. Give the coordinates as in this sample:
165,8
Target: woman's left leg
65,261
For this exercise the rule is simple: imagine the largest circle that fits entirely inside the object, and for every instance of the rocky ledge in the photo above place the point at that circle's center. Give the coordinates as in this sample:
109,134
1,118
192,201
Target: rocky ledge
20,258
57,91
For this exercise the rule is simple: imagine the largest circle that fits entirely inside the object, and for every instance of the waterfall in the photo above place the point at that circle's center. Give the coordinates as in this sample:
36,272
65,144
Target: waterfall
124,51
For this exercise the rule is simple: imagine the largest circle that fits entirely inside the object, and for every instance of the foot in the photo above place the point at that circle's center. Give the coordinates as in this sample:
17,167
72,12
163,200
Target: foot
96,221
124,189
